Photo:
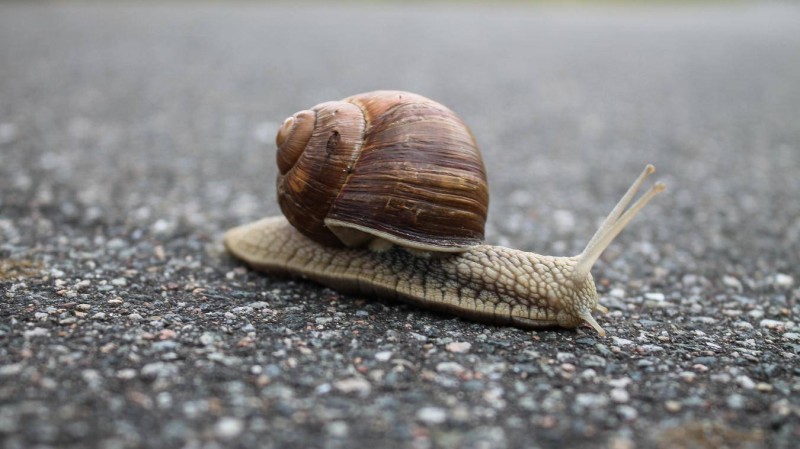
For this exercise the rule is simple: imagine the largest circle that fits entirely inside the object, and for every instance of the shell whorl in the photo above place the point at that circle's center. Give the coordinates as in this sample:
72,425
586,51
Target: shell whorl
386,164
292,138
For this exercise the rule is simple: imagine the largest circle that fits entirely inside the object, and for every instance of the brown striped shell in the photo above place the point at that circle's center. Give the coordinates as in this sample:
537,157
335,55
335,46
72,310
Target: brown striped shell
386,164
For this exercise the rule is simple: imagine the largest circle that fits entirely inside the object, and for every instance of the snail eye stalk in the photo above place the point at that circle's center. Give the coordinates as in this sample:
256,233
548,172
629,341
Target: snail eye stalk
616,221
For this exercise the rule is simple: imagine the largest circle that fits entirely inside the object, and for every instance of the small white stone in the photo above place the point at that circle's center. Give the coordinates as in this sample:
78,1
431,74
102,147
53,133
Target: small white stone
746,382
650,349
619,395
742,325
704,319
383,356
565,357
99,316
353,385
627,412
622,382
119,282
126,374
784,280
449,368
337,429
771,324
458,346
791,336
617,293
432,415
732,282
228,427
162,226
36,332
654,296
11,370
590,400
621,341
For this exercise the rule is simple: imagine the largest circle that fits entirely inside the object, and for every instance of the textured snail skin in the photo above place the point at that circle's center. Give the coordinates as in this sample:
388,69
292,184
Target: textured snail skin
486,283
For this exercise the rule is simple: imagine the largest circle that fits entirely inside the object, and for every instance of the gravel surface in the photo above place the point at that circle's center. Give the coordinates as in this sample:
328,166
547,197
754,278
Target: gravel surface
132,137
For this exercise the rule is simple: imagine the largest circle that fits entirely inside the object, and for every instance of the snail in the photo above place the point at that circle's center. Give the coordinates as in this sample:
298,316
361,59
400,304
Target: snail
384,194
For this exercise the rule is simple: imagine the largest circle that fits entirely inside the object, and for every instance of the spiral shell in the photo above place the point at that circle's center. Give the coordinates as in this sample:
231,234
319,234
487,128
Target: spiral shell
386,164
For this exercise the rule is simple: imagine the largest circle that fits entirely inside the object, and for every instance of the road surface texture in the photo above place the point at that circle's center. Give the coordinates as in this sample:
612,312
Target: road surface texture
131,137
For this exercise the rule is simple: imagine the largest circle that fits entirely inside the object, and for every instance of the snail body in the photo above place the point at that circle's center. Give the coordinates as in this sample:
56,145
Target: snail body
402,216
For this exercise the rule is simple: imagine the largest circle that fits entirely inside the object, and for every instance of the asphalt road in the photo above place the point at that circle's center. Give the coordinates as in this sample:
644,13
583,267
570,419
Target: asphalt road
131,137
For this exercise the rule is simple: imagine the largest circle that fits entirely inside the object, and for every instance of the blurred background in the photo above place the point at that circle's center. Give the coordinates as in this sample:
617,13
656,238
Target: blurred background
167,112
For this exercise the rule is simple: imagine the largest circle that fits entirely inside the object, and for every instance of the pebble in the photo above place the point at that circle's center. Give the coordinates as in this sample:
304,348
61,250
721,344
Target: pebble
732,282
784,280
432,415
763,387
775,324
622,382
36,332
458,347
357,385
627,413
735,401
227,428
745,382
383,356
705,360
565,357
449,368
159,369
11,370
650,349
654,296
794,336
119,282
337,429
590,400
619,395
126,374
593,361
617,293
672,406
99,316
617,341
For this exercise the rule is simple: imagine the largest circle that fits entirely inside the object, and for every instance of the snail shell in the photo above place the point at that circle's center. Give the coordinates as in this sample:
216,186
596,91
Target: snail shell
385,165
